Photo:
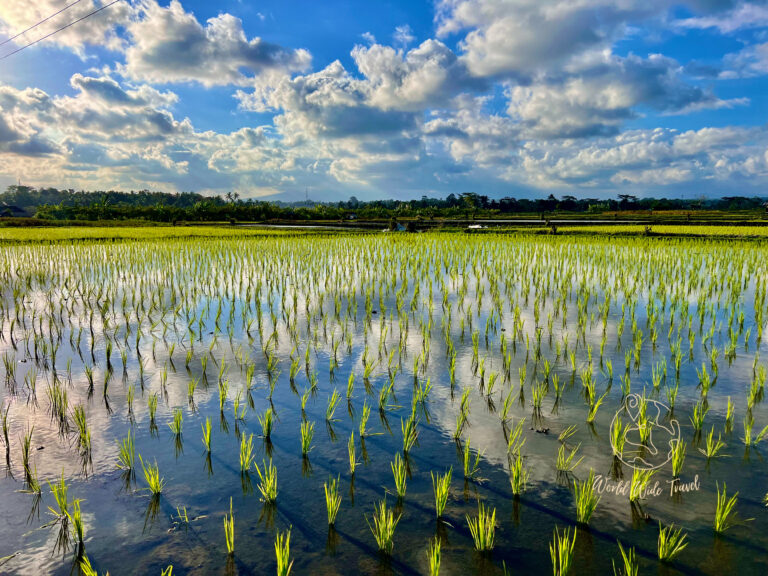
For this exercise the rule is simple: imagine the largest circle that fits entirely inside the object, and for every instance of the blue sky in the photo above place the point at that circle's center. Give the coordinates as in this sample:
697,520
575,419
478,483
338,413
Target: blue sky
389,99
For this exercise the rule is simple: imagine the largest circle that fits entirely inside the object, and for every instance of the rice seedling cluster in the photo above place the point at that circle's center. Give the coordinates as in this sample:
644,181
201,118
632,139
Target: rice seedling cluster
604,383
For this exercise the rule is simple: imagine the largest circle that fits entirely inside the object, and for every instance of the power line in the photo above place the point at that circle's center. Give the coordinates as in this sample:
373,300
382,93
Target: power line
60,29
38,24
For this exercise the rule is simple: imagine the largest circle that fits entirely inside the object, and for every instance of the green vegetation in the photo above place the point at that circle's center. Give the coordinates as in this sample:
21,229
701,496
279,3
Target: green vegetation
433,556
126,452
78,528
283,553
629,565
566,463
640,480
266,421
83,433
671,542
152,475
53,204
246,453
483,528
471,467
267,481
399,472
60,491
712,447
519,475
383,527
332,499
441,486
307,433
207,434
725,510
678,457
351,453
229,530
501,342
561,552
671,230
176,424
586,498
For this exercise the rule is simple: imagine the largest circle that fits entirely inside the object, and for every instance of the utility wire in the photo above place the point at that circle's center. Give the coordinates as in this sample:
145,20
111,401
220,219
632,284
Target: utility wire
60,29
38,24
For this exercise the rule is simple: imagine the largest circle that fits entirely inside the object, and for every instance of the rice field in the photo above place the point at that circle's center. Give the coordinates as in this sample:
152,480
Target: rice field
115,233
267,403
673,230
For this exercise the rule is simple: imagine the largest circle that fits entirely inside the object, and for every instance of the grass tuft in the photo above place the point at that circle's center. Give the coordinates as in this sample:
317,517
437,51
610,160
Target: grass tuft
433,556
267,481
629,565
229,530
441,485
400,473
332,499
283,553
561,552
725,510
483,528
126,452
152,476
671,542
586,498
307,433
207,434
383,527
266,421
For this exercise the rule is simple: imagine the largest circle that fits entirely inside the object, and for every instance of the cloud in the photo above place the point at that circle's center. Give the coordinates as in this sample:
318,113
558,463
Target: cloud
247,150
126,136
363,125
598,99
99,30
744,16
519,38
109,92
328,115
529,94
403,35
17,138
327,134
659,157
332,104
23,113
426,76
170,45
104,129
471,134
644,160
749,62
103,110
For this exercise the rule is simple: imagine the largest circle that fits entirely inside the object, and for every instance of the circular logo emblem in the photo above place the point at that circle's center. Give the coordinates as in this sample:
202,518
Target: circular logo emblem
650,434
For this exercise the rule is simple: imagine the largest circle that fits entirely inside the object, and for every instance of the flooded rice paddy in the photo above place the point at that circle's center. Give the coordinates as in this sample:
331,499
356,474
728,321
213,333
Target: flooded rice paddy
608,387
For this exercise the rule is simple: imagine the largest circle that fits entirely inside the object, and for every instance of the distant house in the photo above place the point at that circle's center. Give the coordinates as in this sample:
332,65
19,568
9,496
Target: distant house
351,216
10,211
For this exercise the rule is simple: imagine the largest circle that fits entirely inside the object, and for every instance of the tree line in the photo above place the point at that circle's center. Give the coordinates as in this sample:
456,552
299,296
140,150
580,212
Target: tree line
55,204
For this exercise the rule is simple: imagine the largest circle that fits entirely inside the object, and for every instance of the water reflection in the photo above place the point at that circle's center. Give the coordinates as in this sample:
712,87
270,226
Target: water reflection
153,509
436,425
